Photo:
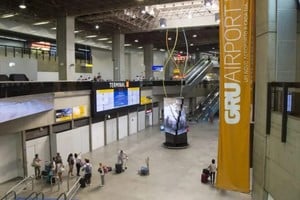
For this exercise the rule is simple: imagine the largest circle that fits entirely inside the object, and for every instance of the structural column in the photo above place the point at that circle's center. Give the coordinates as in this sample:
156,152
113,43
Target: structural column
118,56
66,48
276,23
148,60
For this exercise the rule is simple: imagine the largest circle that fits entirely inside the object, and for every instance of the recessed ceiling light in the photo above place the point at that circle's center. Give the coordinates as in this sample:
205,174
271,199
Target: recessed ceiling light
78,31
169,38
103,39
91,36
22,5
97,26
53,28
41,23
194,36
140,47
127,45
191,44
136,40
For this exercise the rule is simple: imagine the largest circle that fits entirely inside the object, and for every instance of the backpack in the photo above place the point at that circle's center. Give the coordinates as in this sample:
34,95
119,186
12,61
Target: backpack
87,169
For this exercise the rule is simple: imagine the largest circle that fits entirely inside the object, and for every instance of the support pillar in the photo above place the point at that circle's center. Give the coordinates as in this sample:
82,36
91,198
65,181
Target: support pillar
66,48
118,41
148,61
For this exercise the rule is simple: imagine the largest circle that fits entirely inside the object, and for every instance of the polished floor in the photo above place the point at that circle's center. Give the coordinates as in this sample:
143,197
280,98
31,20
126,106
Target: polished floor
174,173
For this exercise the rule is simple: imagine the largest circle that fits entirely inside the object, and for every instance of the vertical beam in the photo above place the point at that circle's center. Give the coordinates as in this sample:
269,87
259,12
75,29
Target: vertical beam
284,114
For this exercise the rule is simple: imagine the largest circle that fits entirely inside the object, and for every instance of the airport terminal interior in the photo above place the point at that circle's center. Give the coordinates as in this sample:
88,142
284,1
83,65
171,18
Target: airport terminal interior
139,87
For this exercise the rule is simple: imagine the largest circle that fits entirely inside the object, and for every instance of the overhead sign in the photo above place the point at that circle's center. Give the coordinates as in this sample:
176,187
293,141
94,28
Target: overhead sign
235,94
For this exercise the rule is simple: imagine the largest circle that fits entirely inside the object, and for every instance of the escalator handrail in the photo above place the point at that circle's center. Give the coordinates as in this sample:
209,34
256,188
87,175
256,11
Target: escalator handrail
196,71
8,194
74,188
20,183
202,71
190,71
62,194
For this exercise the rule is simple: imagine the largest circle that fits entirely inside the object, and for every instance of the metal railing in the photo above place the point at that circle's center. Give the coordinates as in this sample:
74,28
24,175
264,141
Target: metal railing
9,195
70,191
282,97
35,195
18,187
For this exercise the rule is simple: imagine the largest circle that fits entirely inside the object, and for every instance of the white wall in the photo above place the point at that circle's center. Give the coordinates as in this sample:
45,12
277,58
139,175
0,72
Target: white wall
47,76
123,126
133,127
97,135
9,147
141,120
22,66
155,115
102,62
39,146
72,141
159,58
111,130
137,67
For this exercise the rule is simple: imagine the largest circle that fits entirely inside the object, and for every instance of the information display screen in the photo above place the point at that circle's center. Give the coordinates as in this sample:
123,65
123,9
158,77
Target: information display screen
119,96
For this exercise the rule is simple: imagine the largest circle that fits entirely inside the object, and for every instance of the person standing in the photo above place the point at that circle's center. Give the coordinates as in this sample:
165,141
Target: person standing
101,170
78,163
36,164
212,171
121,157
71,164
87,168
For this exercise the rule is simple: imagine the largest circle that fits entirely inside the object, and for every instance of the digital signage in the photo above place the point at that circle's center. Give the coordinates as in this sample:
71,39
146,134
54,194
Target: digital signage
113,95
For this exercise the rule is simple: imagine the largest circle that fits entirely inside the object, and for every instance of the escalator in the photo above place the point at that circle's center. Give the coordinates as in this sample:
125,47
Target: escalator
197,73
211,107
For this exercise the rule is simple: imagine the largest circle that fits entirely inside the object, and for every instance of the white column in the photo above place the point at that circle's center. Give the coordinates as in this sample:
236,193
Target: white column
118,56
66,48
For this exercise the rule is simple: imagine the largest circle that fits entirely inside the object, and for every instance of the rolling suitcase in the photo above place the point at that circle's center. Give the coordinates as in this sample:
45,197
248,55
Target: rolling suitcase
204,178
119,168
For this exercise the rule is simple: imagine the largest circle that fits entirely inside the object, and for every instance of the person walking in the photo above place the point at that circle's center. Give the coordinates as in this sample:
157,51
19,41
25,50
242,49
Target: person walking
36,164
101,170
212,171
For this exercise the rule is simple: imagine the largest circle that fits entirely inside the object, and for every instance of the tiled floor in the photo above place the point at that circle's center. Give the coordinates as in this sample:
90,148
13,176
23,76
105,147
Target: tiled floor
174,174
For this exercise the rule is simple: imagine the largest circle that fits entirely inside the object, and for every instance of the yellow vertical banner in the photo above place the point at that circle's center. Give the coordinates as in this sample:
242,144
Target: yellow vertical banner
235,94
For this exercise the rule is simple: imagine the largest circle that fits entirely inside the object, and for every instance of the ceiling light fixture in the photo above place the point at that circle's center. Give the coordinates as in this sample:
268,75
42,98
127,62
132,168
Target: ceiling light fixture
91,36
194,36
103,39
169,38
78,31
140,47
7,15
97,26
53,28
22,5
127,45
41,23
136,40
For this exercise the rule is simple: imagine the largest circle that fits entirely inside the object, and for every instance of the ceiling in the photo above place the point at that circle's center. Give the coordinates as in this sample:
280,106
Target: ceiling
137,19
